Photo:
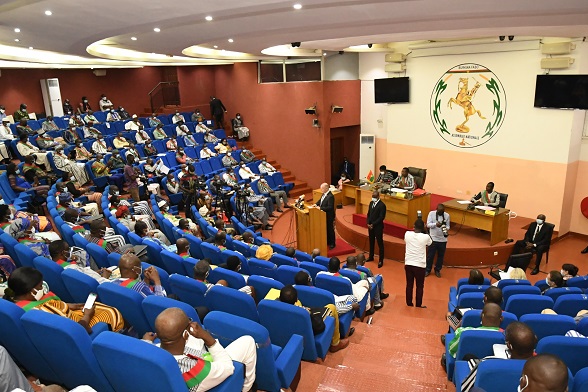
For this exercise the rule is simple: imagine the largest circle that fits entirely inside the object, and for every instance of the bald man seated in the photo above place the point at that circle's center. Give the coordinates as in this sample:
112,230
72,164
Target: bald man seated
520,341
544,373
130,277
203,361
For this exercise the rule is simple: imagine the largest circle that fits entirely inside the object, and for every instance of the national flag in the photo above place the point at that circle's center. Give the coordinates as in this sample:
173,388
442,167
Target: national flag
370,176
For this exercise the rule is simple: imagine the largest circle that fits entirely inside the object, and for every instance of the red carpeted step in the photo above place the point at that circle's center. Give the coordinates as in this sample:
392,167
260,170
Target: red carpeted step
341,248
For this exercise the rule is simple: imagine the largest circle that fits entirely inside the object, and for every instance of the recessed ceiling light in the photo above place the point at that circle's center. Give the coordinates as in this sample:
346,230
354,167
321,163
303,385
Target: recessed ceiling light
297,6
215,46
325,53
231,40
157,29
17,30
222,50
48,13
31,48
16,40
133,38
208,18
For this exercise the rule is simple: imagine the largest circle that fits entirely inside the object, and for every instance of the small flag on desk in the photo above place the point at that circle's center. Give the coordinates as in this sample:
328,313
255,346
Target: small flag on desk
370,176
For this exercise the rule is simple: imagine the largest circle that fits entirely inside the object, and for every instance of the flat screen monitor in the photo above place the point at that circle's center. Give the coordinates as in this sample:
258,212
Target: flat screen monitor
391,90
561,91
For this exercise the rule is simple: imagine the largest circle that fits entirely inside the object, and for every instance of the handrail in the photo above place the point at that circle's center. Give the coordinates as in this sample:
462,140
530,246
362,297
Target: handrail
159,84
164,93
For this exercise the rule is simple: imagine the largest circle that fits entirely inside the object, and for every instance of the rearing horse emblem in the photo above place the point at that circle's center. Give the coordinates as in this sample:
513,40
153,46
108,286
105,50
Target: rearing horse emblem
464,99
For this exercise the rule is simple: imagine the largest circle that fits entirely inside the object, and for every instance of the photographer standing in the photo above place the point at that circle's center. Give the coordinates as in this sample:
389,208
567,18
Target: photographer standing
438,224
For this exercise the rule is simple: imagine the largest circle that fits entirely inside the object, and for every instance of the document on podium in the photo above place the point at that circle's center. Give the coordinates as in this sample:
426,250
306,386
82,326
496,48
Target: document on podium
397,190
485,208
464,202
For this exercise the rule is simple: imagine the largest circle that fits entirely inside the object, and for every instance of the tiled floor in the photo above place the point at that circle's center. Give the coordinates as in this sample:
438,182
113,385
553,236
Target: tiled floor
400,351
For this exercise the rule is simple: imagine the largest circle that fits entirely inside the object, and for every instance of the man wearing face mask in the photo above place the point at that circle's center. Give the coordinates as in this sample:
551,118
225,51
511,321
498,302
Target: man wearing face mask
385,176
112,116
375,223
2,112
347,168
229,161
130,277
67,108
537,240
240,128
124,115
544,373
84,106
177,117
21,113
105,103
438,224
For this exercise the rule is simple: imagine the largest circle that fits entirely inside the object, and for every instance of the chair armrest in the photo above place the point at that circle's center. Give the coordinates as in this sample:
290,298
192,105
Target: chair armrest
289,359
98,329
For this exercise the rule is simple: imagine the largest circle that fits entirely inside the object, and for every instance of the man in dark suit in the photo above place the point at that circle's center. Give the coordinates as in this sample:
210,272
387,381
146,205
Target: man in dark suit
375,223
347,168
537,240
327,204
217,110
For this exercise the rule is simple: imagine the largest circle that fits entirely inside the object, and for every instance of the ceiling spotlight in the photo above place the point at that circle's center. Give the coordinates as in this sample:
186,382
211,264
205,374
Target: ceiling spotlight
31,48
324,53
215,46
16,40
133,38
501,37
231,40
17,30
157,29
297,6
48,13
295,44
341,52
370,45
208,18
510,37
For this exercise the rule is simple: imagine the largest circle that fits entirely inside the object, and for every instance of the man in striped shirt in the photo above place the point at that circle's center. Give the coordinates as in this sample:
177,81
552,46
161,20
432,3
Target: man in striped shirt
130,277
203,361
404,181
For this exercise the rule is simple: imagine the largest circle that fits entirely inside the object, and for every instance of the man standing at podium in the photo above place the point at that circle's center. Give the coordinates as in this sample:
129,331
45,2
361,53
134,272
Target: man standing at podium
327,204
375,223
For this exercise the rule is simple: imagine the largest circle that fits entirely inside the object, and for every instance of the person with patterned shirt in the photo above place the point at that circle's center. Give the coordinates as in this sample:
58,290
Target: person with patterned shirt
76,121
112,244
100,169
24,129
21,113
210,138
404,181
487,197
280,197
203,361
113,116
90,132
71,135
49,125
172,145
117,160
247,156
266,168
158,132
90,118
184,132
82,154
385,175
142,136
229,161
25,148
230,178
99,146
189,186
380,295
120,141
154,121
130,269
61,254
149,149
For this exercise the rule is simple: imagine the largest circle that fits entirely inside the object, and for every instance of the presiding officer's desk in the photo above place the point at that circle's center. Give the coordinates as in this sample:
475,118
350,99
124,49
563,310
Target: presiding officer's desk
496,222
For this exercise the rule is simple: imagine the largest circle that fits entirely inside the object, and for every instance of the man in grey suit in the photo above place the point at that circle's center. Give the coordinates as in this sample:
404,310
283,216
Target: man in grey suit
375,223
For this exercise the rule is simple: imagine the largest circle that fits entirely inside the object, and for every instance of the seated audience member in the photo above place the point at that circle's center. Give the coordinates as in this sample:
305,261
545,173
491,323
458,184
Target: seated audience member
184,132
182,158
26,148
19,184
46,142
537,240
188,227
113,116
386,176
71,135
360,289
240,128
89,131
220,240
117,160
158,132
120,141
5,131
289,295
30,170
492,295
21,229
13,378
171,145
67,108
206,153
513,273
230,178
315,252
172,185
84,106
66,165
5,138
266,202
491,318
134,124
132,151
203,361
228,161
202,128
183,248
100,169
26,289
142,136
247,156
76,121
476,277
154,121
90,118
266,168
256,217
569,271
82,154
149,149
487,197
210,138
23,129
99,146
280,197
520,341
21,113
139,207
347,168
78,190
352,266
130,276
554,280
3,114
264,252
223,147
144,231
177,117
196,116
111,243
62,256
342,180
404,181
205,208
234,264
105,103
544,373
49,125
124,115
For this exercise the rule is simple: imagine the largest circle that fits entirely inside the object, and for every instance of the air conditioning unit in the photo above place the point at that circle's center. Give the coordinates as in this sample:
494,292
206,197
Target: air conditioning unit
395,58
395,67
99,72
556,62
558,48
367,155
52,97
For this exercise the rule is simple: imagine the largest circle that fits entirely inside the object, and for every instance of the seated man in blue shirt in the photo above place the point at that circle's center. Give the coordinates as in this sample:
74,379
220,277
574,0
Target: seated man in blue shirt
130,277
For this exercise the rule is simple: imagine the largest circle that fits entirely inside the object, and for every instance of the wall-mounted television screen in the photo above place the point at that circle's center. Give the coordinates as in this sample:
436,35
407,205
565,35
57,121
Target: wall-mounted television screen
561,91
391,90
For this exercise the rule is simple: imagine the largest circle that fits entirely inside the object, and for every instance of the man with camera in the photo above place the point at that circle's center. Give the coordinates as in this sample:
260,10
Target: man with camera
438,224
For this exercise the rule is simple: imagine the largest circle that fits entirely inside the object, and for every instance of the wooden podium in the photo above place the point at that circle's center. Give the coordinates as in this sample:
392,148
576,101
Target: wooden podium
311,229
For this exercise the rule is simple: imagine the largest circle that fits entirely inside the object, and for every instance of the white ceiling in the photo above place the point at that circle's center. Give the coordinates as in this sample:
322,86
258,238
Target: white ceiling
104,29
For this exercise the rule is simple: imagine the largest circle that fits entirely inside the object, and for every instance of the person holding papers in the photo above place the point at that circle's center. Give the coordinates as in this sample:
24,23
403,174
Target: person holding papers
537,240
488,197
404,181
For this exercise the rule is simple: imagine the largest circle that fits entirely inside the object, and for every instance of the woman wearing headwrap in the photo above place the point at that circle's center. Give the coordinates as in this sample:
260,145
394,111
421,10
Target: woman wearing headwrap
21,229
65,200
264,252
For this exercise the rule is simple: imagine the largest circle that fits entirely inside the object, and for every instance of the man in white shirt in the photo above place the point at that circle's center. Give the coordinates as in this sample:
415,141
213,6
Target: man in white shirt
113,116
206,153
99,146
134,124
142,136
415,261
90,132
5,137
25,148
266,167
105,103
360,289
438,224
177,117
247,174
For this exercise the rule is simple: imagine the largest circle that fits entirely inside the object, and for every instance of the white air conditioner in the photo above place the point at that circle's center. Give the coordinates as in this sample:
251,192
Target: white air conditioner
395,58
367,155
395,67
556,62
557,48
52,97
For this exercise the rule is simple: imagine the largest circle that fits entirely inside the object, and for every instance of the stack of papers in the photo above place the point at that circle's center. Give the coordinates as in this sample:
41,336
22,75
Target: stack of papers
485,208
464,202
397,190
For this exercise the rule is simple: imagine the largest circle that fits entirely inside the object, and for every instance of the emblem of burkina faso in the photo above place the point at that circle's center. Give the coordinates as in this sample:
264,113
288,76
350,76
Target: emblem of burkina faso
468,105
